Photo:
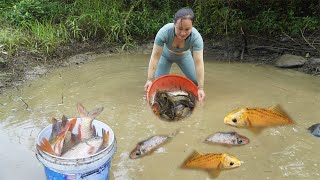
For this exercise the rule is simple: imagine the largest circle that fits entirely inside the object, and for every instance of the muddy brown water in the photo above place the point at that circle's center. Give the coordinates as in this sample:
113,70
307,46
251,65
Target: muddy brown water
116,82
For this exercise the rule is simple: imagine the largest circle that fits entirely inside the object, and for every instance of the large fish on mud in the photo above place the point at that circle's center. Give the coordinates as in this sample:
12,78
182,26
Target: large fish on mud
56,141
213,162
85,128
258,117
227,138
88,147
149,145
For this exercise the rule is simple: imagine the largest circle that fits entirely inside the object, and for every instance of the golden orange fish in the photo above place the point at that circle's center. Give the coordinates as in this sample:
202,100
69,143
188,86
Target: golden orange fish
258,117
211,161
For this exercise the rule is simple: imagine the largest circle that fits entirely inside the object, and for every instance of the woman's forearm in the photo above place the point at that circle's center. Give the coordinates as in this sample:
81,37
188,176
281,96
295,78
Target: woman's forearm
154,59
199,66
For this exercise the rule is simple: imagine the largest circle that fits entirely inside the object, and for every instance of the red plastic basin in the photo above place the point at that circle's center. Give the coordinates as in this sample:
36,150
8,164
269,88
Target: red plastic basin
172,82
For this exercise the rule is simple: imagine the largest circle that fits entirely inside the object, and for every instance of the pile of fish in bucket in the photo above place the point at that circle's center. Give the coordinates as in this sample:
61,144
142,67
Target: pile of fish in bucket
172,105
63,142
77,148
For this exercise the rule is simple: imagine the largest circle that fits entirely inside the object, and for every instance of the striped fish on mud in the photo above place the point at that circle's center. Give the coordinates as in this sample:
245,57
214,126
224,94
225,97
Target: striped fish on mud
227,138
258,117
88,147
57,138
85,128
212,162
149,145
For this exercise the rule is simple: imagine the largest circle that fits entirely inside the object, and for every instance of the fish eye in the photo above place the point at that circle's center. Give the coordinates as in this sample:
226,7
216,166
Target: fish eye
234,120
240,141
231,163
137,153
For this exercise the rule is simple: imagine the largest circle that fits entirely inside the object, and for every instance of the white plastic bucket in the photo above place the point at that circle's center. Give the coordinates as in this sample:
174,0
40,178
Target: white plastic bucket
95,167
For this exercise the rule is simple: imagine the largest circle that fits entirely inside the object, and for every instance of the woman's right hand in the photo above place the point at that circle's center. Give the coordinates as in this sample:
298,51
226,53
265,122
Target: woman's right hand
147,85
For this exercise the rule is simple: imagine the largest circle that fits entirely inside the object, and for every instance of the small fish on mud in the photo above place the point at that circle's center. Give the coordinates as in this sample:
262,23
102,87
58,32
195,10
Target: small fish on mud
88,147
57,138
213,162
227,138
149,145
87,117
172,105
258,117
315,129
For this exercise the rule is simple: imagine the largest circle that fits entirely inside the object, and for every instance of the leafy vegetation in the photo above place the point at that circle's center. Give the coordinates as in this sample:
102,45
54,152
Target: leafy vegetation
44,25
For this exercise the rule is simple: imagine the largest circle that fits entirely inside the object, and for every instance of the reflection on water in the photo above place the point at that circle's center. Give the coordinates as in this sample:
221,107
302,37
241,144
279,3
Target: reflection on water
116,82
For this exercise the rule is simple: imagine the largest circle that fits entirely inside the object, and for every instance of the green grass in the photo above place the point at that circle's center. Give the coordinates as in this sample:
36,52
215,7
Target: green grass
11,39
44,25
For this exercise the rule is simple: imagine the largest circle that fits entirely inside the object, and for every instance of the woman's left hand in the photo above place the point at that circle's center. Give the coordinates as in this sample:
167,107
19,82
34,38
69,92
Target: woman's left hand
201,95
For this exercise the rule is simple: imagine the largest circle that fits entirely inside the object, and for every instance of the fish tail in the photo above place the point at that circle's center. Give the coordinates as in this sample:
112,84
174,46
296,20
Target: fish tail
45,146
94,113
279,110
195,154
59,140
82,110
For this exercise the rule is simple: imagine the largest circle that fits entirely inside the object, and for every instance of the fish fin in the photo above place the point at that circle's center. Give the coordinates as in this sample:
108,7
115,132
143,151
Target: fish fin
94,113
256,130
105,136
94,131
214,173
278,110
91,150
64,121
56,128
45,146
82,110
72,123
193,155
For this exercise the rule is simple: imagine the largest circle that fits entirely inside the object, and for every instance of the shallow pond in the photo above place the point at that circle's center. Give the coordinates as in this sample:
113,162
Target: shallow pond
116,82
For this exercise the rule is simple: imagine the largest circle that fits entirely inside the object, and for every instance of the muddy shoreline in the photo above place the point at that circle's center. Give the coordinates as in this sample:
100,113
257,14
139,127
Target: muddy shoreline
26,66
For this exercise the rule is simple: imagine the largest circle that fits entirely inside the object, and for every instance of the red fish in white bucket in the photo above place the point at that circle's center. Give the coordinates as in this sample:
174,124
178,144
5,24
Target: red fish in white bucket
85,128
88,147
55,144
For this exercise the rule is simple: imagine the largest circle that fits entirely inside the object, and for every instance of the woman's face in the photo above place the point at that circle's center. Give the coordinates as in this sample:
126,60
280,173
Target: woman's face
183,28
